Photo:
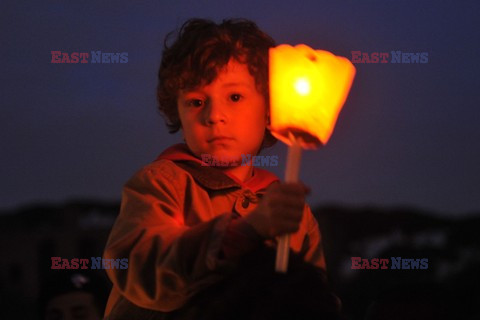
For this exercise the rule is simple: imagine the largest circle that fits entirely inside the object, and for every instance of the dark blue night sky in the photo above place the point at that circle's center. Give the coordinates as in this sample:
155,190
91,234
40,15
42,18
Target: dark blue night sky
408,134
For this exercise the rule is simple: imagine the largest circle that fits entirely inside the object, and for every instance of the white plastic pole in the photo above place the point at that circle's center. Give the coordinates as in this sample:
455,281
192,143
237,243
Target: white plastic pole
291,175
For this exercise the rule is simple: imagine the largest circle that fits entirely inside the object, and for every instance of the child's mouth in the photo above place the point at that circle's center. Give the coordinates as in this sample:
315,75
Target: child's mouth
219,139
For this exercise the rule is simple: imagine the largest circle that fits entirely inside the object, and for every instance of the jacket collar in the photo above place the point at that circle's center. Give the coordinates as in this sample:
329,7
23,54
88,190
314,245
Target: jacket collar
211,177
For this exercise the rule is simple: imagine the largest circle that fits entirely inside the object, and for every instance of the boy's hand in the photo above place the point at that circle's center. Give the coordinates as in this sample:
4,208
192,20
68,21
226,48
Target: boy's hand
280,210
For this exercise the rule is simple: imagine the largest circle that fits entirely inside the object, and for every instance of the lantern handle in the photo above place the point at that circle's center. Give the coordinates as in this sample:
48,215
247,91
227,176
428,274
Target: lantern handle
291,175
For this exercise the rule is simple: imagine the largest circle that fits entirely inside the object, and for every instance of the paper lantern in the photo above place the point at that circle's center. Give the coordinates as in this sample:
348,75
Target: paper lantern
307,91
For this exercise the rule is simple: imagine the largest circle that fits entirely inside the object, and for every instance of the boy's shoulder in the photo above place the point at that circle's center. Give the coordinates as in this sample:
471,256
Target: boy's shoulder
164,165
162,168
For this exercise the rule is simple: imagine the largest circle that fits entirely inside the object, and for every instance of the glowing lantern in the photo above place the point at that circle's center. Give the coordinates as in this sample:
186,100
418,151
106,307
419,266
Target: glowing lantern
307,91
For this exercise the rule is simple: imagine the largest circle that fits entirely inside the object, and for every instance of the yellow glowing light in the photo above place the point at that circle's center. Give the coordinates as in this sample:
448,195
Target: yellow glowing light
307,91
302,86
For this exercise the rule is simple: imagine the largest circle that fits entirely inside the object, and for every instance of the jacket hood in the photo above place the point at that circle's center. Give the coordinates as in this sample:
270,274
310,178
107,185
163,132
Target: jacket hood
212,177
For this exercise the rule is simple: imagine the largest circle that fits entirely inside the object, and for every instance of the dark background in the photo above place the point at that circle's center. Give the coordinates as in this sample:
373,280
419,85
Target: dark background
408,133
406,140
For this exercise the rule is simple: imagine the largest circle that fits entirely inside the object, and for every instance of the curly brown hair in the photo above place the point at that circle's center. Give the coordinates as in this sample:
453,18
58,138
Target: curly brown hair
202,48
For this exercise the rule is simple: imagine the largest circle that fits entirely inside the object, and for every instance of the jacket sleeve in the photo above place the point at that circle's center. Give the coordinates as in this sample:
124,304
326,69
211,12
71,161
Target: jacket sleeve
314,253
167,260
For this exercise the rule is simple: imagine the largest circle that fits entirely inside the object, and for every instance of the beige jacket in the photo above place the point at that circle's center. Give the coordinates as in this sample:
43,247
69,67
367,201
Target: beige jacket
173,215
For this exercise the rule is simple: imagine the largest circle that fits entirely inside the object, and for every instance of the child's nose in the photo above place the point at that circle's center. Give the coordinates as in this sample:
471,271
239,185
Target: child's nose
214,112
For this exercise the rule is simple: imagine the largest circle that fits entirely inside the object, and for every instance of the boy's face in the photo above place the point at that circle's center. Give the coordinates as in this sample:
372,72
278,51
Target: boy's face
226,118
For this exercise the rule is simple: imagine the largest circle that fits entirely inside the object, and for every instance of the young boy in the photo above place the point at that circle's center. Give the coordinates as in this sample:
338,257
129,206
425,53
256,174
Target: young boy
183,225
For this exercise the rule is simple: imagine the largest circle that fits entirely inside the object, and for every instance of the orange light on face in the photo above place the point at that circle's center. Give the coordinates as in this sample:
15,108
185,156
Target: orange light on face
307,91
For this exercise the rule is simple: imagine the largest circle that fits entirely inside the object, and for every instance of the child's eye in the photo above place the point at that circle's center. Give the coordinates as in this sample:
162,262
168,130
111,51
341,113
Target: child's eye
235,97
195,102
